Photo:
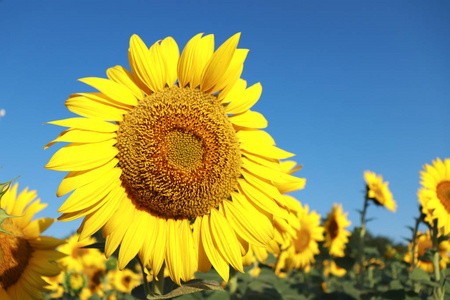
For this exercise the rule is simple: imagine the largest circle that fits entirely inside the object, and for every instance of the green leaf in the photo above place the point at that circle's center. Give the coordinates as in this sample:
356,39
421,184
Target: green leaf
3,216
394,294
395,285
189,287
5,186
419,275
261,291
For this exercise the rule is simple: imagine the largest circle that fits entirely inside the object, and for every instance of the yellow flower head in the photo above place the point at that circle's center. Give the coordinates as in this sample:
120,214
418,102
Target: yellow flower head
170,154
336,237
330,267
79,258
424,242
379,191
123,281
434,196
25,255
300,253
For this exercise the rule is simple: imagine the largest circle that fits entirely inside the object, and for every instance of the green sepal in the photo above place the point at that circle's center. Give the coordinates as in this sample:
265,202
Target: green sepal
5,186
192,286
3,216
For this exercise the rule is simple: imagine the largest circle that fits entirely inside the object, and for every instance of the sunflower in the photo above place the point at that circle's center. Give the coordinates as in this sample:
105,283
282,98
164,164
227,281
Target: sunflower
378,191
424,242
434,195
330,267
25,255
302,248
123,281
78,258
336,237
170,154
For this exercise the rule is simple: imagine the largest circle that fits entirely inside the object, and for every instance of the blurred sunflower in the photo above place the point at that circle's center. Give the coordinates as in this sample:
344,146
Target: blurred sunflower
424,242
336,237
123,281
300,253
434,195
170,154
78,258
25,255
330,267
378,191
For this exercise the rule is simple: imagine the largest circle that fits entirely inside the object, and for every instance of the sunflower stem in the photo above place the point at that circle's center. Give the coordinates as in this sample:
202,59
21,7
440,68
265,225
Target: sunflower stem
437,291
158,283
362,234
414,237
144,278
232,283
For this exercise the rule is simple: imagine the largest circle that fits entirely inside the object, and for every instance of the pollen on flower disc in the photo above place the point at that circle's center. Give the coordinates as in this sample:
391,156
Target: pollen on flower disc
15,253
179,153
443,194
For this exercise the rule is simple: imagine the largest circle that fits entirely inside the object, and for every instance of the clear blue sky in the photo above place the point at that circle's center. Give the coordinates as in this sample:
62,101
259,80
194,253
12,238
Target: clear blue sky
347,85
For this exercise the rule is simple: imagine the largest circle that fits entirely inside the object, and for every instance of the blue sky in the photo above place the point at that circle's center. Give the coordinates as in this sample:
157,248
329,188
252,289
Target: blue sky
348,86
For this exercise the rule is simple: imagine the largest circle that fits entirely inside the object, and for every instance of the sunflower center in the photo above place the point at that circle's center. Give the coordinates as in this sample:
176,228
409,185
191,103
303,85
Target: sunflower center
302,241
333,228
15,253
179,153
443,193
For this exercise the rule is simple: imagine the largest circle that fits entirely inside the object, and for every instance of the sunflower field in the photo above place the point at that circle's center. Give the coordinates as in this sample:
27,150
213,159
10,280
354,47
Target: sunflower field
183,194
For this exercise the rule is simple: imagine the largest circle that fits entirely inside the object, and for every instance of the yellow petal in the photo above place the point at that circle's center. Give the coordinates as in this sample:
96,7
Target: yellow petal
114,239
93,192
87,124
113,90
121,75
171,54
204,265
195,55
132,240
233,72
76,157
261,199
250,119
147,65
87,108
211,251
157,259
173,251
76,179
255,136
218,64
266,150
244,101
147,248
94,221
36,227
250,225
264,186
82,136
225,240
187,240
231,92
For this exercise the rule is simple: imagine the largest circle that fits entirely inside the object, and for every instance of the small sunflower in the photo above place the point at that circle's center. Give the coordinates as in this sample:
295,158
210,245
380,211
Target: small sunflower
336,237
170,154
378,191
301,251
123,281
330,267
434,195
25,255
78,258
424,242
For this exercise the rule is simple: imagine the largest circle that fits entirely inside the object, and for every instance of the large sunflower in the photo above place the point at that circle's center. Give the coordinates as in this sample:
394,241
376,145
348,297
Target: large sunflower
434,195
25,255
171,161
336,237
378,191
